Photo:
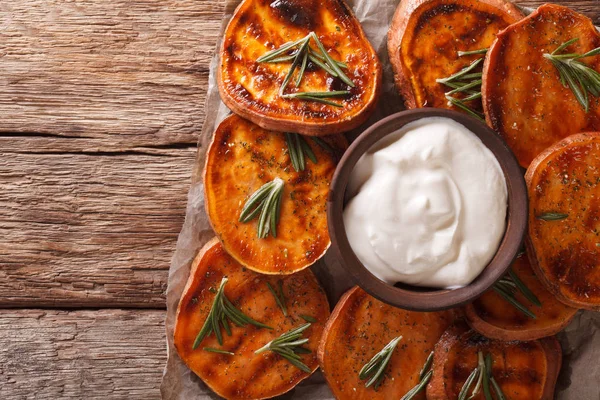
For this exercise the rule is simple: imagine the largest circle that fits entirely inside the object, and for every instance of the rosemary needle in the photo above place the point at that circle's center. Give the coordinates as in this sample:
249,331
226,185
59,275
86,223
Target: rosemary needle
472,52
308,318
279,297
219,351
552,216
220,312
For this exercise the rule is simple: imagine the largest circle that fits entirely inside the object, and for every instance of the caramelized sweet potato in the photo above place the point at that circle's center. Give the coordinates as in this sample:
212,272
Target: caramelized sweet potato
523,98
523,370
426,35
359,327
494,317
246,375
241,158
563,241
250,89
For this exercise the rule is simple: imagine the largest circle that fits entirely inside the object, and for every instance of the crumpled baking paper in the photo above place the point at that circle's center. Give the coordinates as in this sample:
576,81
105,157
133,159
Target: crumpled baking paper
580,374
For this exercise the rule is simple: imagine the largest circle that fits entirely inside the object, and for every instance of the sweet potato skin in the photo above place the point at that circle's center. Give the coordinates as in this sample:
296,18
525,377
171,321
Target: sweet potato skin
565,254
523,98
494,318
422,43
250,89
523,370
359,327
246,375
241,158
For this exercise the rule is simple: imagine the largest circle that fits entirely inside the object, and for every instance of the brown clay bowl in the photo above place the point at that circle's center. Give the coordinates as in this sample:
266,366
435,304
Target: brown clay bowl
420,298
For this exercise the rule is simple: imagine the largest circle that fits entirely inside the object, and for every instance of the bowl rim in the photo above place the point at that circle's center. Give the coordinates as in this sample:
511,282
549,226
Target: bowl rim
434,299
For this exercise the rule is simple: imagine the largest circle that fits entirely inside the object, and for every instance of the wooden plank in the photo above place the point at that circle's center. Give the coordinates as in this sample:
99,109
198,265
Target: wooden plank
89,229
590,8
105,354
97,68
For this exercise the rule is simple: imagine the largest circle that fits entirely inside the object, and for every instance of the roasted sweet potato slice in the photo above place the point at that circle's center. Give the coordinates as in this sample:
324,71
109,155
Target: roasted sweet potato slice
426,35
246,375
241,158
251,89
564,219
523,370
523,98
359,327
495,318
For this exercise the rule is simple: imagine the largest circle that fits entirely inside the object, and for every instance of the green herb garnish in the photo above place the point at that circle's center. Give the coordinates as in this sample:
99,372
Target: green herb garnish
319,97
375,368
266,204
219,351
472,52
279,297
308,318
424,378
221,312
465,82
482,374
507,288
301,54
298,148
576,75
552,216
288,346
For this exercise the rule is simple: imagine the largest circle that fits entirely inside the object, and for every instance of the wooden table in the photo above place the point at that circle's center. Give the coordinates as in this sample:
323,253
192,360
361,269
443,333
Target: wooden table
101,103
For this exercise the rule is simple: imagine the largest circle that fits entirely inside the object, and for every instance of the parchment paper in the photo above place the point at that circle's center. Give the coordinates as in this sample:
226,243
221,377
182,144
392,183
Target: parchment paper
580,374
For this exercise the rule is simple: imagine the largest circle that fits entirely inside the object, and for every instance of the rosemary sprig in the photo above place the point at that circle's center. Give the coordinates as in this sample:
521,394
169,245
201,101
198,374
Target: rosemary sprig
482,377
552,216
298,148
222,311
375,368
465,82
507,288
288,346
301,54
424,378
279,297
219,351
266,204
576,75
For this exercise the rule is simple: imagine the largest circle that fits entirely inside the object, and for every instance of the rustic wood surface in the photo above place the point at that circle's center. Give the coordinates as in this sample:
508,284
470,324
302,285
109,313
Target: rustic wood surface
101,103
105,354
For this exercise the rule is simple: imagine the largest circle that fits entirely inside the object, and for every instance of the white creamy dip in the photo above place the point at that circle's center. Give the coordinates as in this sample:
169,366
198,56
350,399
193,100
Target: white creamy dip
428,205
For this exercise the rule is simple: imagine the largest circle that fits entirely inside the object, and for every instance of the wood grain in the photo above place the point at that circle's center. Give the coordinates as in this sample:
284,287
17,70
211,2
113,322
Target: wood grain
89,228
93,68
106,354
590,8
101,103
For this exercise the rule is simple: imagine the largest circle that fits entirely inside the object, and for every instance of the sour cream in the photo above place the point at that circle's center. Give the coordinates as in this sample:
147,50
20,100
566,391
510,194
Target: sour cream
428,205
